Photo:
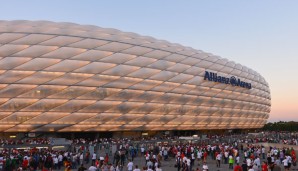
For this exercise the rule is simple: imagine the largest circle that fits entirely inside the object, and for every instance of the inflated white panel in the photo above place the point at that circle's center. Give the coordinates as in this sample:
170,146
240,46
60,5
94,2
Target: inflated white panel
92,55
35,51
33,39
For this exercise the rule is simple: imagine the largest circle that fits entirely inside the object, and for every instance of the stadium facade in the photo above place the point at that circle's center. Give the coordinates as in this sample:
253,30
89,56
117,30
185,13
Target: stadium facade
65,77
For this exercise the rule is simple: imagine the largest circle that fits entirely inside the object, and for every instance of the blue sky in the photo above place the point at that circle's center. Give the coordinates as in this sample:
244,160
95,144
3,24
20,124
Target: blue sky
262,35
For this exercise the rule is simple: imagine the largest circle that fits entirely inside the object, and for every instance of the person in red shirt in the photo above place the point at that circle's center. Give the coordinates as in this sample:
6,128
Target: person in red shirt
293,152
182,155
205,156
216,153
106,160
96,163
252,157
25,163
264,166
237,167
294,159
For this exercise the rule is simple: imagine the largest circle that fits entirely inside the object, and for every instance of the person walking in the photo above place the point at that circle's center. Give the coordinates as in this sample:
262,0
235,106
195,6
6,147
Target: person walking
264,166
129,165
237,167
231,162
218,159
205,167
136,168
178,163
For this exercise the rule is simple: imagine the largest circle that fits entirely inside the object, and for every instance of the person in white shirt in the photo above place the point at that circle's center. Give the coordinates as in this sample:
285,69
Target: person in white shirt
277,162
257,161
251,169
199,156
285,163
272,159
150,169
205,167
55,161
255,167
154,156
92,168
130,165
275,152
111,167
81,158
237,159
155,164
142,150
226,157
263,152
93,159
137,168
188,161
165,154
289,158
1,162
248,162
218,159
118,168
192,161
158,168
149,164
147,157
60,161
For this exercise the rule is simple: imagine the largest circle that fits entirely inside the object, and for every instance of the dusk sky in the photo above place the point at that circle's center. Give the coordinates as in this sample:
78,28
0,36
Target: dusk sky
262,35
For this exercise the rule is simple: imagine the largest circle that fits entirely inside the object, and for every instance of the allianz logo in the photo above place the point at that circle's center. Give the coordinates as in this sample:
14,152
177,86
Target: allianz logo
211,76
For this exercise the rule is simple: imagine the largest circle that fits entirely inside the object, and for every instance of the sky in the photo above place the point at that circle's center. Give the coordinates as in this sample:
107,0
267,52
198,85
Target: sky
262,35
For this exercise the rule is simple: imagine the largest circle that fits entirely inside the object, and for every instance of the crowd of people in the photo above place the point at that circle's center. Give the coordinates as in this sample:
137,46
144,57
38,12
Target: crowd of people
231,152
288,138
26,141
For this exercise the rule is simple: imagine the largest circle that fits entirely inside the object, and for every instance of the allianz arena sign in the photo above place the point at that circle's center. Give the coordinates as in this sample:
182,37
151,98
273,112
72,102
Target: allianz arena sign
211,76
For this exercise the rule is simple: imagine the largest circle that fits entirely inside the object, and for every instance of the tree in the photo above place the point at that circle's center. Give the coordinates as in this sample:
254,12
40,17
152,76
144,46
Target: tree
281,126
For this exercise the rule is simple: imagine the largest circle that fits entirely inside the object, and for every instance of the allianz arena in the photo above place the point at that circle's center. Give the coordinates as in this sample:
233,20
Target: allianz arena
65,77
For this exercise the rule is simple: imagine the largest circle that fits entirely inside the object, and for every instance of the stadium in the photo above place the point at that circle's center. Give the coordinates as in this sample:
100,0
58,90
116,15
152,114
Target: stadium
65,77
